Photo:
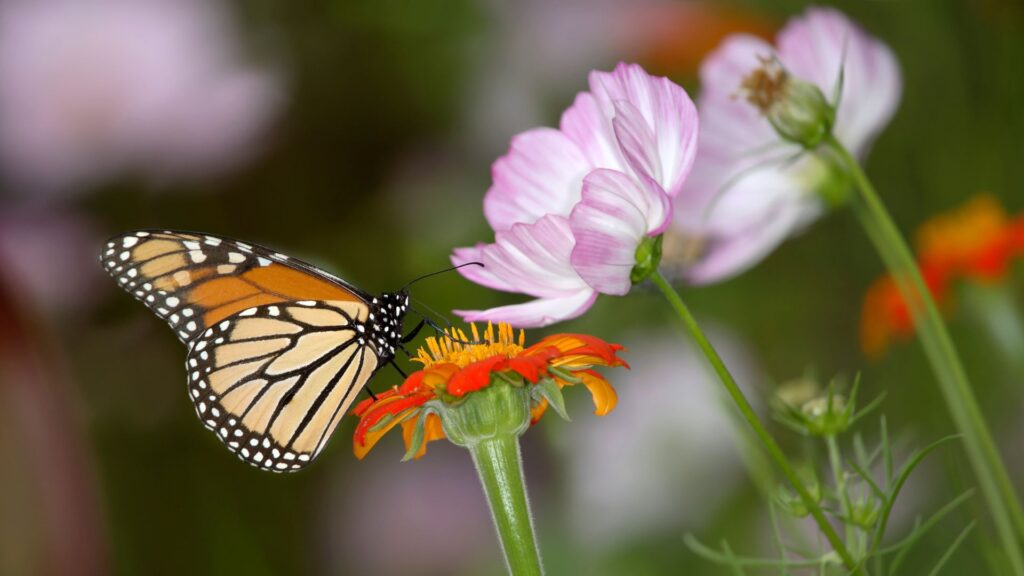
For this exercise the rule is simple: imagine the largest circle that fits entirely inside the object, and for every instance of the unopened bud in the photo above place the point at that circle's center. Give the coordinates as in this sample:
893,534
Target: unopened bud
797,110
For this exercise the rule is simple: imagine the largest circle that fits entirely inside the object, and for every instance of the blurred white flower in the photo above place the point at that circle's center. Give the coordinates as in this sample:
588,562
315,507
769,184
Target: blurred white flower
742,199
667,457
93,88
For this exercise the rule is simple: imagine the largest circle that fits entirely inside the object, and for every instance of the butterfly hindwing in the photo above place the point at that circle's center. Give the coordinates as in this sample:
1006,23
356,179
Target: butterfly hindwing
194,281
273,381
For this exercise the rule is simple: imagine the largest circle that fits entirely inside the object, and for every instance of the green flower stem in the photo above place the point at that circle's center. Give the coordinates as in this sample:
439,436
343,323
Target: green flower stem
835,461
773,449
499,464
984,457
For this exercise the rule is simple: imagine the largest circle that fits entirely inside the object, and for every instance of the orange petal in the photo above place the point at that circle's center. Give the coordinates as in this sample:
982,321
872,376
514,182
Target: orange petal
538,411
370,437
602,392
432,430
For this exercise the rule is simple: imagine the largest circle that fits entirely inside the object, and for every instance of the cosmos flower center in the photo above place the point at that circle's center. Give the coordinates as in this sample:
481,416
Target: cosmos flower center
460,349
766,85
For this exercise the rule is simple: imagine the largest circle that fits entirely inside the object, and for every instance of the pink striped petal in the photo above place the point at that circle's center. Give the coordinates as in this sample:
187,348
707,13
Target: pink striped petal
540,175
667,110
527,258
614,215
590,128
537,313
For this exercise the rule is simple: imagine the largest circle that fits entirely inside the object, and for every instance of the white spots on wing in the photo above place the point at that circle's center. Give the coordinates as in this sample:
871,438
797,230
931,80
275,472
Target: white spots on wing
200,345
150,298
174,318
224,325
210,240
306,302
142,234
197,256
202,407
172,301
191,245
243,246
183,334
205,355
258,457
249,312
187,312
263,261
235,258
125,255
162,311
195,393
192,362
191,326
274,311
132,273
130,241
280,256
226,268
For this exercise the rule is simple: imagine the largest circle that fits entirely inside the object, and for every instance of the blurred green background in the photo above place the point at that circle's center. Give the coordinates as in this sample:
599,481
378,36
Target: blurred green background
374,166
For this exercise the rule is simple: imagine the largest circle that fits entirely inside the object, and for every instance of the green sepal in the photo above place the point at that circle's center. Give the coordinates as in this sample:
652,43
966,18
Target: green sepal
382,422
549,390
648,256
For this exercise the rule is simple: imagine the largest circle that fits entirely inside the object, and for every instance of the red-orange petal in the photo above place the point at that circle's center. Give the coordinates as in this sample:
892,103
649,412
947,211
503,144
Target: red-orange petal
475,376
362,444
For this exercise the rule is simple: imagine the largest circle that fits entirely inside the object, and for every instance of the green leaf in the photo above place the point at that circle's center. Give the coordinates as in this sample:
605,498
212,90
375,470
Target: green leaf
903,547
901,479
952,548
729,559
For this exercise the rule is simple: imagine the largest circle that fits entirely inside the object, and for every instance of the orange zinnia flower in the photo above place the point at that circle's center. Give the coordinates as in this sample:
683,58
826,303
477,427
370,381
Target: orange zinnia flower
456,366
976,241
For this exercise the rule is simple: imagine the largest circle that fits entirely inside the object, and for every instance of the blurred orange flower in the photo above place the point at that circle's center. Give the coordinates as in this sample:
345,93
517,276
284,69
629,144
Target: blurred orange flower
976,241
456,365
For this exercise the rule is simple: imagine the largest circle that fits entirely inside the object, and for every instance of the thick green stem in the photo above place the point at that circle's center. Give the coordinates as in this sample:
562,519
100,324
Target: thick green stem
773,449
981,450
500,467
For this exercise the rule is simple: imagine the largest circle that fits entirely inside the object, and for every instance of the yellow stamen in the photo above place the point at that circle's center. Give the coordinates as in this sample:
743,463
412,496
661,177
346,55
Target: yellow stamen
451,349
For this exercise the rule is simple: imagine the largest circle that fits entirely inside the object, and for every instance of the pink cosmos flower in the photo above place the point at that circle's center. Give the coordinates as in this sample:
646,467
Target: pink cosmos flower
738,205
569,207
94,88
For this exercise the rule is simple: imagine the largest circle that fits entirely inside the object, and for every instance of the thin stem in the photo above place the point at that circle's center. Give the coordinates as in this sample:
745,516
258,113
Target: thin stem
747,411
981,450
839,477
499,464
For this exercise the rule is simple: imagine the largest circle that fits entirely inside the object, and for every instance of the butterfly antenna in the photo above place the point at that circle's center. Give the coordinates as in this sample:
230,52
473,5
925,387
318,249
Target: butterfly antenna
446,270
447,331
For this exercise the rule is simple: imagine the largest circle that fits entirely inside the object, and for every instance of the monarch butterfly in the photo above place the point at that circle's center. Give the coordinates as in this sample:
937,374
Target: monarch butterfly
277,349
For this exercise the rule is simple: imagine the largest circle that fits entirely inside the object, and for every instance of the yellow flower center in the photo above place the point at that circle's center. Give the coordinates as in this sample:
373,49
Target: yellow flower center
455,347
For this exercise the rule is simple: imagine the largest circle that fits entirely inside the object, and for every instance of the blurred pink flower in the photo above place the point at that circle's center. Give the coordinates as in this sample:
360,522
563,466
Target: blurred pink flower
92,88
569,207
736,207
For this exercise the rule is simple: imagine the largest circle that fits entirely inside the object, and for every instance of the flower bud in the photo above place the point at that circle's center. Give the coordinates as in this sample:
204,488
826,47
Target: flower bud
797,110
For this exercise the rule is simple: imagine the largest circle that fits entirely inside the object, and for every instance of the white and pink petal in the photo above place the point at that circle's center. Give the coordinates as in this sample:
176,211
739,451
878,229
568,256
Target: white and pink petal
615,214
540,175
669,113
536,313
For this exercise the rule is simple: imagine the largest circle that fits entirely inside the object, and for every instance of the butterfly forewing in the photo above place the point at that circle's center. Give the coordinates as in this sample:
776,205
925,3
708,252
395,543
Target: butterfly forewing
194,281
273,381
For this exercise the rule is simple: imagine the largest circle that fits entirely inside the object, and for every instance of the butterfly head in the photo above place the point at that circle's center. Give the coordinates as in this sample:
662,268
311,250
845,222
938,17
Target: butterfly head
387,314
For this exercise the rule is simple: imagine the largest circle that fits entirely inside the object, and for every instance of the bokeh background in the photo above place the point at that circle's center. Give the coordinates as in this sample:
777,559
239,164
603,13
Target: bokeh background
359,135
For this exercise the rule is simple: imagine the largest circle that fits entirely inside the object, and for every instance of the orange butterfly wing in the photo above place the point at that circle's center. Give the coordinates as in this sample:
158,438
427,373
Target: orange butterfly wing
193,281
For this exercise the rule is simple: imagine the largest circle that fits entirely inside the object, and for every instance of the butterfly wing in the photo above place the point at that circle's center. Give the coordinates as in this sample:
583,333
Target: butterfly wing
193,281
278,349
273,381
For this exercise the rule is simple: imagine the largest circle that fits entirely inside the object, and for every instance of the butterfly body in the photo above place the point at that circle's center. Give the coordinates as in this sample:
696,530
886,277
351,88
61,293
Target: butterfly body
278,349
